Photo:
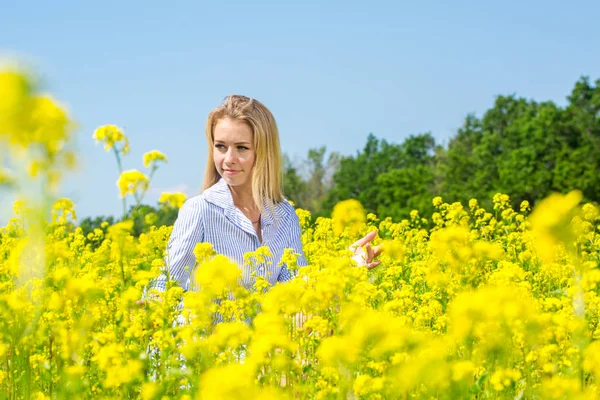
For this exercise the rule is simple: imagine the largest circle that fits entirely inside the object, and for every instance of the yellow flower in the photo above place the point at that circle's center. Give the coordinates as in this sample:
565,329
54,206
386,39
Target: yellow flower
590,212
366,385
153,156
149,390
62,209
217,274
463,370
560,387
525,206
555,210
230,335
304,217
203,252
50,125
503,378
172,199
131,182
233,382
501,201
591,362
15,90
350,215
111,135
550,221
20,207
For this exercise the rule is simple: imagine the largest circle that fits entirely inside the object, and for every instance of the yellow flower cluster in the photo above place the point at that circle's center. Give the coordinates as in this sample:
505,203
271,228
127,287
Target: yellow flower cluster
153,157
132,182
110,135
468,308
35,129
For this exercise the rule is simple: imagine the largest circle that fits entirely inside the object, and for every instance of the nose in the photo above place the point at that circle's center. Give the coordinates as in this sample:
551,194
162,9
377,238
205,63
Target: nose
230,156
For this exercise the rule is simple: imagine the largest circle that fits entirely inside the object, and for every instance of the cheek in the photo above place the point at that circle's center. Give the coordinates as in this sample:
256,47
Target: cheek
250,159
217,158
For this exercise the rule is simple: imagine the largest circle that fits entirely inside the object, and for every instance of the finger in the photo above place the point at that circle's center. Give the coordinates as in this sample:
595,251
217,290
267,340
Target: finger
373,264
366,239
141,303
370,254
377,250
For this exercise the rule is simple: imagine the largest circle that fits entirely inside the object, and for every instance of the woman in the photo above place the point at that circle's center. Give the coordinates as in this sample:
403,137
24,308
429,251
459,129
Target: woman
242,207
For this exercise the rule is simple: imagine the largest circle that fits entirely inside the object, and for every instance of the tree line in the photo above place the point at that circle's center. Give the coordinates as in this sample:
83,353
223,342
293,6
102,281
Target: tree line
520,147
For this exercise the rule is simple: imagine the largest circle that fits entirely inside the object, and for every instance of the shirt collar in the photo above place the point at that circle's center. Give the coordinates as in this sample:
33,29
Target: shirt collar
219,194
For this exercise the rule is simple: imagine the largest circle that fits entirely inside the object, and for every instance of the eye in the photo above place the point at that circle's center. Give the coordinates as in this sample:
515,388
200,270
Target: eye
242,148
219,146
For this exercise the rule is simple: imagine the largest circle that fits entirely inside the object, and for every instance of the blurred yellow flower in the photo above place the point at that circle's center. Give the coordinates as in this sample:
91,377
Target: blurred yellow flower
503,378
550,222
348,215
15,90
217,275
50,125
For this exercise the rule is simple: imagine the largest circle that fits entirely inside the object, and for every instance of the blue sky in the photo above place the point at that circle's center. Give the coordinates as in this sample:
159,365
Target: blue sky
331,72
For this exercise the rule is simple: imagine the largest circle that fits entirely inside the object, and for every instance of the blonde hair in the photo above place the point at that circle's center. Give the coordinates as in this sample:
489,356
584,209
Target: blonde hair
267,172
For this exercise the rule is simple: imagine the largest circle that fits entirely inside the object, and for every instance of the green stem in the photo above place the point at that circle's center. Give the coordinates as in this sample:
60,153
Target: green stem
120,167
152,171
51,380
122,272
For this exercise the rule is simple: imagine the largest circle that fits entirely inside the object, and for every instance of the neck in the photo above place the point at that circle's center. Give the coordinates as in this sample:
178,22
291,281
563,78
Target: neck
242,197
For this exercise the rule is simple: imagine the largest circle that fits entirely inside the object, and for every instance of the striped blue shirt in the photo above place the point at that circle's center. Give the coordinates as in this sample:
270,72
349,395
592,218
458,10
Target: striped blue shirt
213,218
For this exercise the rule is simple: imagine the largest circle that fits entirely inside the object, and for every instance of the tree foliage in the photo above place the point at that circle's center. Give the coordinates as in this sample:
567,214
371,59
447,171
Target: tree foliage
388,179
520,147
527,149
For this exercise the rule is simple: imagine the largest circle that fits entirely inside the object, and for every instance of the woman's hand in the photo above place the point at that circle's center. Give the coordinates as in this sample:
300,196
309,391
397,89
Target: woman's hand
364,254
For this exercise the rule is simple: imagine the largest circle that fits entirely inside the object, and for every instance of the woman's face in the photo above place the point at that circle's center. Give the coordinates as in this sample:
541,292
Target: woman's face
234,152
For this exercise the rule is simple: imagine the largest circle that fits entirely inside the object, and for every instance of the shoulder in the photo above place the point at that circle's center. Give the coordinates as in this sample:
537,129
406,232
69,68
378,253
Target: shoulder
286,210
195,202
287,216
193,207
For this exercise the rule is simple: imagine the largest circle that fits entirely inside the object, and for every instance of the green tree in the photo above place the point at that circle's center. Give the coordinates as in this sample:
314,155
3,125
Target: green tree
527,149
388,179
579,163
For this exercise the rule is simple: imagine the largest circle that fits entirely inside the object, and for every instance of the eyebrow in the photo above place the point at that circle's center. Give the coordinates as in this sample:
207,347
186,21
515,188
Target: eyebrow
221,141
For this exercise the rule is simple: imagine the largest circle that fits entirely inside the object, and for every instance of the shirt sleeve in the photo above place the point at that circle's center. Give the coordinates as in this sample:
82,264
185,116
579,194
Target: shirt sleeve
188,230
296,244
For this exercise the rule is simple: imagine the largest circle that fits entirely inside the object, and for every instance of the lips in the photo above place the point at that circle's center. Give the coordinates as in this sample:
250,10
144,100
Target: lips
231,172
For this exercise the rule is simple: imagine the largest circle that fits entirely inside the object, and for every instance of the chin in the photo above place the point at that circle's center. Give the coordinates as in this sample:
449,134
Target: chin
233,180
